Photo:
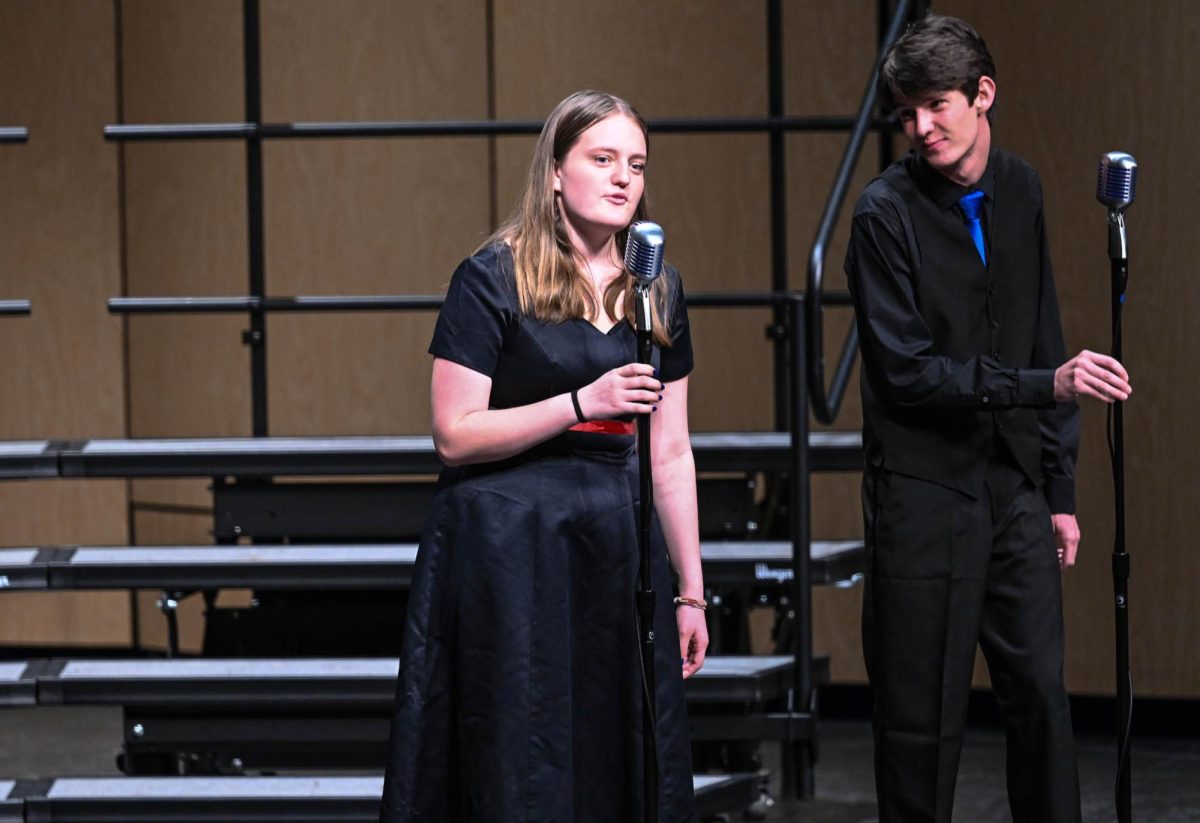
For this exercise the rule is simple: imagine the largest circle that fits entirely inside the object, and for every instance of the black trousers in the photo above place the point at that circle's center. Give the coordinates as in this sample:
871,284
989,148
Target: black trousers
946,571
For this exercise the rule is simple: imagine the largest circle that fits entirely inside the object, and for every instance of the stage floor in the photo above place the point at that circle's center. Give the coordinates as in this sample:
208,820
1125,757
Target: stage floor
32,744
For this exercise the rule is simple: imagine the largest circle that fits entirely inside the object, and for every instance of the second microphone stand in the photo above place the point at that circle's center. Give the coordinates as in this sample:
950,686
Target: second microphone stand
1118,254
644,597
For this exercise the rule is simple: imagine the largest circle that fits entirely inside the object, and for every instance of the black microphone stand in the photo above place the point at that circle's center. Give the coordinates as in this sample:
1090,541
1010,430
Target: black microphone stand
1117,252
644,596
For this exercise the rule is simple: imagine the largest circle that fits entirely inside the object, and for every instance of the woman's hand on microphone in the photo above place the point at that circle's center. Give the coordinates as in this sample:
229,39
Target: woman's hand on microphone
628,389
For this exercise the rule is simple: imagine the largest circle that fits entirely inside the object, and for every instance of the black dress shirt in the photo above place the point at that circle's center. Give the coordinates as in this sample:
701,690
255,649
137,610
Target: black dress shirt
958,356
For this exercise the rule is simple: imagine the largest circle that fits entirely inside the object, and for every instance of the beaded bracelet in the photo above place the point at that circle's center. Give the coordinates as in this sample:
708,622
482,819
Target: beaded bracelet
693,602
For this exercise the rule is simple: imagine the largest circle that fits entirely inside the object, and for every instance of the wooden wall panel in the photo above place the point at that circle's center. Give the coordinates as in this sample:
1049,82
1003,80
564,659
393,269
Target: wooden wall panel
181,61
367,216
670,59
62,367
185,217
372,60
185,207
710,192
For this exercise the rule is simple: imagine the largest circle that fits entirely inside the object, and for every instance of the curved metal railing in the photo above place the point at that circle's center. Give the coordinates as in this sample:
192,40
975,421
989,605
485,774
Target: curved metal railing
15,307
825,404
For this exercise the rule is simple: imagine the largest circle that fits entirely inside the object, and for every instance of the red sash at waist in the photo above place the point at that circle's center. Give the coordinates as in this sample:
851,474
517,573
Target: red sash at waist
605,427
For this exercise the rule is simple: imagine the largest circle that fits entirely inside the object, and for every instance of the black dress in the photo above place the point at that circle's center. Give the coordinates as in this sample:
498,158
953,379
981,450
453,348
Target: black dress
519,694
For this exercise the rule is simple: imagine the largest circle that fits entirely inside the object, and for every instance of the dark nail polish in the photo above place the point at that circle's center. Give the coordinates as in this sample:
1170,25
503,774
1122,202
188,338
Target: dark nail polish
654,409
660,398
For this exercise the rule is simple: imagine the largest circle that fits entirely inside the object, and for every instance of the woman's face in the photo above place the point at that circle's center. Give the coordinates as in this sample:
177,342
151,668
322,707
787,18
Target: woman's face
600,181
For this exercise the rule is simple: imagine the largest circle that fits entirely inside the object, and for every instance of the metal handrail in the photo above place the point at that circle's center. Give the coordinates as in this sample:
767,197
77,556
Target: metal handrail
397,302
18,308
246,303
456,128
15,307
826,405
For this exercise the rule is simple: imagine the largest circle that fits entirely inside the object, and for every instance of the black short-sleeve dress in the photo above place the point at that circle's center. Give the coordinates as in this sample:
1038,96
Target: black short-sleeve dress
519,695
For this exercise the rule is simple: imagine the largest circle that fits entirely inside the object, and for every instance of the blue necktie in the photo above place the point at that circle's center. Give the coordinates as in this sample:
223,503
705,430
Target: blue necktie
972,206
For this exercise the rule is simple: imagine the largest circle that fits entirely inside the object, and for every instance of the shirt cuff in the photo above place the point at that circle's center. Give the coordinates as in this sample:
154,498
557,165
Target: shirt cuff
1060,494
1035,388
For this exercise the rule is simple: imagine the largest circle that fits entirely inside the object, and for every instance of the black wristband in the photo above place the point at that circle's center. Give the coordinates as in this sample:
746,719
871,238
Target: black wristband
578,411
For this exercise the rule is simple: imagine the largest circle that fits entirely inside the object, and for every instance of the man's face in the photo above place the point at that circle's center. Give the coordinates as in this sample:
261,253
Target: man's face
950,132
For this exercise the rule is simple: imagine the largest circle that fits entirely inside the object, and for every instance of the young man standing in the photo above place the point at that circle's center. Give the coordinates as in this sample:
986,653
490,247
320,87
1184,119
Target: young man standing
970,431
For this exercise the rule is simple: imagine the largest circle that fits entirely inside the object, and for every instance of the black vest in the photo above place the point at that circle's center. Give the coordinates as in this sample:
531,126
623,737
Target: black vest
971,311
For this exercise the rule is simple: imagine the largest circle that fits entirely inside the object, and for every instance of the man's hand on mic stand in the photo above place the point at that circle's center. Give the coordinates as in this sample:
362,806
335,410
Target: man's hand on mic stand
1089,374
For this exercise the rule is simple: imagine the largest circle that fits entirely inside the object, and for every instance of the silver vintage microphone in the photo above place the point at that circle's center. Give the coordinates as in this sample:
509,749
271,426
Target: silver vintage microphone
1116,186
644,250
644,260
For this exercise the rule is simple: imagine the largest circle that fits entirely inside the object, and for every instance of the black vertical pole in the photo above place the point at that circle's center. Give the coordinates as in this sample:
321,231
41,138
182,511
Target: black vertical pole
493,193
887,151
256,337
779,263
799,505
1120,563
644,597
123,250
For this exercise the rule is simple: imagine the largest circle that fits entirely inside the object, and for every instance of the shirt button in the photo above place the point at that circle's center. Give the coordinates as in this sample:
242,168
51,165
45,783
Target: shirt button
986,400
995,355
995,325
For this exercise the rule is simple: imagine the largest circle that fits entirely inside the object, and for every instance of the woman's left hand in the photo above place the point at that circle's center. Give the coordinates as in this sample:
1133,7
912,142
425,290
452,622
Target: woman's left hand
693,638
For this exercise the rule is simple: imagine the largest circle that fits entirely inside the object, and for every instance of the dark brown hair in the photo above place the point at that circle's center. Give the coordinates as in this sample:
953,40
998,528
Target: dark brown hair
935,54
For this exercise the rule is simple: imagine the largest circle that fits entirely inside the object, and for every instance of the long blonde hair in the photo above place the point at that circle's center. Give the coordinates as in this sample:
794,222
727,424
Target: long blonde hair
551,282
